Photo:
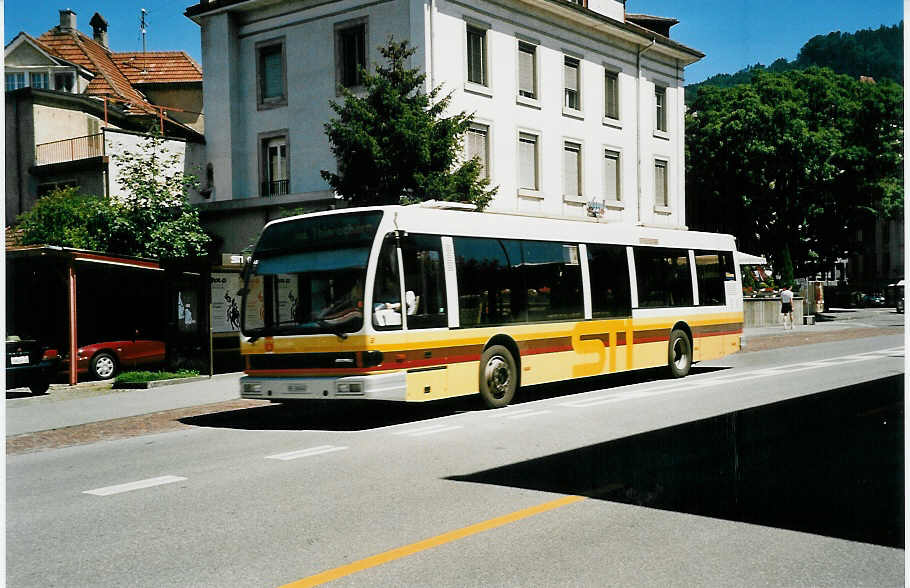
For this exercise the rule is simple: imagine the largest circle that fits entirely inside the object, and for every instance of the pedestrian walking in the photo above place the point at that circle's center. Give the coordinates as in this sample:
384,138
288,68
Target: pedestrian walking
786,306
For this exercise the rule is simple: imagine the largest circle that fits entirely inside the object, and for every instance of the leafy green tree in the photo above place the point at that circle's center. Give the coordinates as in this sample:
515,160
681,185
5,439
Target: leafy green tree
153,217
68,219
156,219
393,143
792,163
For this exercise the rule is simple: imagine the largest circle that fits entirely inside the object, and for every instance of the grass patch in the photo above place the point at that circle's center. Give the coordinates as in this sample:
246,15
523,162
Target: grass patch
146,376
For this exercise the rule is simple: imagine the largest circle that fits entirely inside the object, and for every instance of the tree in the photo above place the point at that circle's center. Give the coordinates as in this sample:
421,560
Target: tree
153,217
792,163
393,143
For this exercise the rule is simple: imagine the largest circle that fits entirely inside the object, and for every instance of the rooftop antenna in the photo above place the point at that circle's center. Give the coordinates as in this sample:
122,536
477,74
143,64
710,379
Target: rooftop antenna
143,28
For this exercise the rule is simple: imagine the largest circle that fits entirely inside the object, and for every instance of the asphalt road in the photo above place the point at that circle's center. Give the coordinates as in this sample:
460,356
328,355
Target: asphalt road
779,467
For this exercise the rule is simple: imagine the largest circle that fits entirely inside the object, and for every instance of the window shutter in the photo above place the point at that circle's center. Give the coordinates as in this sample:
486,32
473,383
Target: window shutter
611,94
526,71
570,170
476,146
611,175
272,74
660,183
571,74
527,153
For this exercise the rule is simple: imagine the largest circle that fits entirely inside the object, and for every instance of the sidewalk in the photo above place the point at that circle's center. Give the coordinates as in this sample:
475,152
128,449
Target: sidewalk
99,403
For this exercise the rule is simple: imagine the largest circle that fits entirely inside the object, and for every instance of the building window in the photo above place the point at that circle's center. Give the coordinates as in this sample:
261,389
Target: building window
611,176
39,80
573,95
661,192
275,166
350,53
270,73
477,56
64,82
14,81
660,101
477,145
527,70
527,160
611,95
571,158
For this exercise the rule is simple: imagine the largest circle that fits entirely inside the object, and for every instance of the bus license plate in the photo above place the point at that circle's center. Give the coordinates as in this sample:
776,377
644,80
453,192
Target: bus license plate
19,359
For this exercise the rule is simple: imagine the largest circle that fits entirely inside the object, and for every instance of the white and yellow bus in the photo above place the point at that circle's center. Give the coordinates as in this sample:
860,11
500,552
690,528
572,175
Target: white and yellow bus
416,303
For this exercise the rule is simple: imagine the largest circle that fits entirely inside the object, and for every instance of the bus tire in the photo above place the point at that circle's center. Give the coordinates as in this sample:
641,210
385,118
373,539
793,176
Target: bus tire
498,377
679,354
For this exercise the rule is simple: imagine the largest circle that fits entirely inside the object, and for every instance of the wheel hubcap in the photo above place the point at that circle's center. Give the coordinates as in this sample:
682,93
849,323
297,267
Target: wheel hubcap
104,366
497,376
679,354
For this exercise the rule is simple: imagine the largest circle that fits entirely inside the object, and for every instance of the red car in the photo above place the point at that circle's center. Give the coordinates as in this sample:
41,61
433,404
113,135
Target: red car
104,360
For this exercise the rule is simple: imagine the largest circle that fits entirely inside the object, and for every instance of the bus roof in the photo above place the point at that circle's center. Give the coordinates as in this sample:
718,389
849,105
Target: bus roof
510,225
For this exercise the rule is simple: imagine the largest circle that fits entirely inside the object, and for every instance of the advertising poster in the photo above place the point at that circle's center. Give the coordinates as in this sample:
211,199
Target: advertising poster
225,302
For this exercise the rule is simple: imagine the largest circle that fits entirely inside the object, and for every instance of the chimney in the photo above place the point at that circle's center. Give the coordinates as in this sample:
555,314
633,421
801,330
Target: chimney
67,20
99,29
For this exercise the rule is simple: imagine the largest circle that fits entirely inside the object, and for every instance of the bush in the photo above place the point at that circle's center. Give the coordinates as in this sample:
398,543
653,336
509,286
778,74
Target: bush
146,376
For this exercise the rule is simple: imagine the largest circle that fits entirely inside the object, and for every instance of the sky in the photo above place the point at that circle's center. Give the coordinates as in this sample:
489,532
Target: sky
731,33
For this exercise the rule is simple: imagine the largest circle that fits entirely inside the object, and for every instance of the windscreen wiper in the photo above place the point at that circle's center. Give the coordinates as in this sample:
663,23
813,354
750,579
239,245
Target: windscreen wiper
332,329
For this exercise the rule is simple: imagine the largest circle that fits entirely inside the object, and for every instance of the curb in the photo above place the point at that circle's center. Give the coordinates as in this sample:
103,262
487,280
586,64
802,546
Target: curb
157,383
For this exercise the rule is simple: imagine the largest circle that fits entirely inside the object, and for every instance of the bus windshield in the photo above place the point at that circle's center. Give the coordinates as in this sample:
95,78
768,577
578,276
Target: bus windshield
307,276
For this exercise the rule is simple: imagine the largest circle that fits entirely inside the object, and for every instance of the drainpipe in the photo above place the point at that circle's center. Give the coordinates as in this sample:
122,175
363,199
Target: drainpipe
432,54
638,125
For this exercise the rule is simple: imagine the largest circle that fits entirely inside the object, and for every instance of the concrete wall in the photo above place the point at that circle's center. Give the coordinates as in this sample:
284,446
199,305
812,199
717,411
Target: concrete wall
54,124
188,160
765,312
188,98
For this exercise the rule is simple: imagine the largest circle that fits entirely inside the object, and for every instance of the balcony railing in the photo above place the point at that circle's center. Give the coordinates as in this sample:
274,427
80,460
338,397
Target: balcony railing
275,188
70,149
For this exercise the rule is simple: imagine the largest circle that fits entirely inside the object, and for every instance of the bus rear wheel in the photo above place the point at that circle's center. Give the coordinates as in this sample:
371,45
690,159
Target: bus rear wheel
680,354
498,377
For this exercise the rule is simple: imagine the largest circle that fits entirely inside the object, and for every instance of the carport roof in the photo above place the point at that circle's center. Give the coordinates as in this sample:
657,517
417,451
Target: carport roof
70,254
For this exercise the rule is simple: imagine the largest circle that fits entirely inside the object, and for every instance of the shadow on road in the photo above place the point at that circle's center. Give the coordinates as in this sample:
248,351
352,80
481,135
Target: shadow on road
362,415
830,464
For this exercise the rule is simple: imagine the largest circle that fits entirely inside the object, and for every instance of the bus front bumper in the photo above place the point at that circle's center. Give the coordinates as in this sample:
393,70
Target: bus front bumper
391,386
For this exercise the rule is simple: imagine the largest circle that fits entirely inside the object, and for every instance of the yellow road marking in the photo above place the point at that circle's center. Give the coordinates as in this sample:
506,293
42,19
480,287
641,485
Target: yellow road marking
400,552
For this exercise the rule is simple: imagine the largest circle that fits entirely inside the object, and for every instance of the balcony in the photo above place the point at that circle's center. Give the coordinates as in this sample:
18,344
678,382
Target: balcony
69,149
275,188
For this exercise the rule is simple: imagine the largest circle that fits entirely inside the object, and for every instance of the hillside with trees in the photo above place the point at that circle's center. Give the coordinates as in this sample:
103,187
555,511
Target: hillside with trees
876,53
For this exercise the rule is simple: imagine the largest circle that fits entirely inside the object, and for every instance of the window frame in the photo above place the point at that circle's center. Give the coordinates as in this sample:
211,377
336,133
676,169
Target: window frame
338,31
661,103
618,201
527,191
260,50
571,61
663,207
264,139
643,279
481,32
577,146
485,129
529,48
611,74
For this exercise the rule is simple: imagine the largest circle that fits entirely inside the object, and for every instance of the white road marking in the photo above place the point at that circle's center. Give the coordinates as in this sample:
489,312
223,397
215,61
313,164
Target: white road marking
309,452
509,411
430,430
526,414
689,384
138,485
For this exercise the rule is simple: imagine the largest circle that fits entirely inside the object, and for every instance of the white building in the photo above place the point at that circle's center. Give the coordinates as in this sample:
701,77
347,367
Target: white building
572,103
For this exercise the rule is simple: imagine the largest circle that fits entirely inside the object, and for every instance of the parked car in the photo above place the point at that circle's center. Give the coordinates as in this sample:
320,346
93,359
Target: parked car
104,360
872,300
30,364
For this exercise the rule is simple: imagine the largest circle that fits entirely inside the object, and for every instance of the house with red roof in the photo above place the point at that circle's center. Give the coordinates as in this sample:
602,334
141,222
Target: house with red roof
71,103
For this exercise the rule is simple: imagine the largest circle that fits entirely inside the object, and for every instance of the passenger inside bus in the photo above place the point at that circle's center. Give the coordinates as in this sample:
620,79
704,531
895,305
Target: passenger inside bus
388,314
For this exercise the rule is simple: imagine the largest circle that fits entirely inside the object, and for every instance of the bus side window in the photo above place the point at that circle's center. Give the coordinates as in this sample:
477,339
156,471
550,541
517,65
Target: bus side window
664,278
712,269
424,282
387,289
611,292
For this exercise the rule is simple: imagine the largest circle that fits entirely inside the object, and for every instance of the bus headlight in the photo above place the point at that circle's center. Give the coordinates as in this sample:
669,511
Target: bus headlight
252,388
349,389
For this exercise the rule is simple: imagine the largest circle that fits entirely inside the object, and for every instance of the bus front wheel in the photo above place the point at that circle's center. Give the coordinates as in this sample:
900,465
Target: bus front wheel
680,354
498,377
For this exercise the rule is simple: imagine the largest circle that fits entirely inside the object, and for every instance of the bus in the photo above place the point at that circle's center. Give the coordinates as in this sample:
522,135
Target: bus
418,303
